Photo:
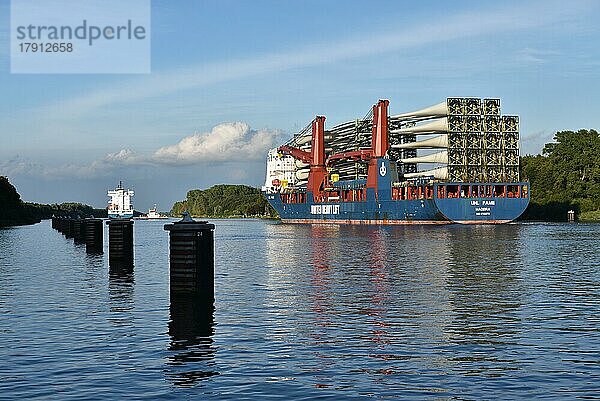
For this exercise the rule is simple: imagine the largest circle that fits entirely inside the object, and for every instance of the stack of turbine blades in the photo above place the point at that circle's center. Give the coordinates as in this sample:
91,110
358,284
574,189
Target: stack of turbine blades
511,157
492,124
494,175
349,170
492,140
510,123
439,125
457,124
455,106
491,107
474,173
456,157
437,110
472,106
473,140
473,123
457,173
474,157
440,141
457,141
439,157
477,142
440,173
512,173
493,157
511,140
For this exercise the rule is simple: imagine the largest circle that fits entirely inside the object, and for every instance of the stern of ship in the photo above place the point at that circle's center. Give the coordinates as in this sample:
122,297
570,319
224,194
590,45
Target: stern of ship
477,203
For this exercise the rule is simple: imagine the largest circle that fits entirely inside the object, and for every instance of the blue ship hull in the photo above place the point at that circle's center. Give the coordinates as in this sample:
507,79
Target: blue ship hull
423,211
429,203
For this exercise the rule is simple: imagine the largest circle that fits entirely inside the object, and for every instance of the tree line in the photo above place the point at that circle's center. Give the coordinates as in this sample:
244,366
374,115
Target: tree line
224,201
14,212
565,176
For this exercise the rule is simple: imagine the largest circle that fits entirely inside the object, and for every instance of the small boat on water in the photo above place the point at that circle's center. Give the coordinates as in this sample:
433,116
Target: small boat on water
153,214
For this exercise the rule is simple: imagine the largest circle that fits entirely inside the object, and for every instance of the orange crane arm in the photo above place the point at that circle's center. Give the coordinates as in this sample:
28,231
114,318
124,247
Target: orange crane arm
296,153
355,155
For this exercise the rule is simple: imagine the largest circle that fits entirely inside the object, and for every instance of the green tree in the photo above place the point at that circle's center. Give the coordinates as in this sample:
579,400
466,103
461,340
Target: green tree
565,176
224,201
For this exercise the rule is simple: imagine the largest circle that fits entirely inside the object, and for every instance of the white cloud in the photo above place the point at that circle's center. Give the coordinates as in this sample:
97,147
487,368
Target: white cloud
123,157
225,142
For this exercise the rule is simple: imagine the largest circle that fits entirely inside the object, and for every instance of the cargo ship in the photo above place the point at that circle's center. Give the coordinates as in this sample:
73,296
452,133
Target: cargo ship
455,162
119,205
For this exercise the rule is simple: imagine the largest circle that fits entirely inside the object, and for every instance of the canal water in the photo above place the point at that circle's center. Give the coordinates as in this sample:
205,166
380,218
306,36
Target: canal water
308,312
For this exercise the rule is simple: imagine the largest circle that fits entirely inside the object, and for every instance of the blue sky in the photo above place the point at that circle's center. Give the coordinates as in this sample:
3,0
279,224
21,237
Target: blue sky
242,75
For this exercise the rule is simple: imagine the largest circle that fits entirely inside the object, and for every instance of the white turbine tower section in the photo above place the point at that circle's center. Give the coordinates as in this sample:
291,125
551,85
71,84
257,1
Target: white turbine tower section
440,125
440,141
439,157
437,110
440,173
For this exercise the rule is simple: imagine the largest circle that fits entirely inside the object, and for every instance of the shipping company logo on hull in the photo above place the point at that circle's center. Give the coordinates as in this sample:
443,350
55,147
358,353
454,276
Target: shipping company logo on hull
325,209
382,169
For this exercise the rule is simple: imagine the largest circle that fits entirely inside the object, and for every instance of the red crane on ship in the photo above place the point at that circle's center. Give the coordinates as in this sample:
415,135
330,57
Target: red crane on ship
316,158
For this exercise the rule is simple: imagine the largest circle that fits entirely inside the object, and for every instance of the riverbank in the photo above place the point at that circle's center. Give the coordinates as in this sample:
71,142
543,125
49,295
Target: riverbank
15,212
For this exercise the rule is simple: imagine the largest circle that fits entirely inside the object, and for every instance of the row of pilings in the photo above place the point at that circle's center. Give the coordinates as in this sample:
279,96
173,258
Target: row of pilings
86,231
191,249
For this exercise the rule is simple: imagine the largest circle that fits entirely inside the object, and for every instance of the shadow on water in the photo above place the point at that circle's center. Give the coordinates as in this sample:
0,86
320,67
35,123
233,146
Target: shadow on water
191,329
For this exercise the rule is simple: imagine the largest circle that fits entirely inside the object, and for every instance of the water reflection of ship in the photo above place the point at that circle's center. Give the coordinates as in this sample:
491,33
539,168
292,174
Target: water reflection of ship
484,281
191,328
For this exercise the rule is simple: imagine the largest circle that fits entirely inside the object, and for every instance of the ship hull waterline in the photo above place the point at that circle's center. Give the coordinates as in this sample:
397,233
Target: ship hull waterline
435,211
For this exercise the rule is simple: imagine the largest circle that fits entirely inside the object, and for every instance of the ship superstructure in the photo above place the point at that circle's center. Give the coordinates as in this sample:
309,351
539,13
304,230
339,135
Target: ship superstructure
457,161
119,205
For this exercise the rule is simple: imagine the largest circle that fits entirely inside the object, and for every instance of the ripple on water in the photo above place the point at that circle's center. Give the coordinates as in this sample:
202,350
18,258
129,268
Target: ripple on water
305,312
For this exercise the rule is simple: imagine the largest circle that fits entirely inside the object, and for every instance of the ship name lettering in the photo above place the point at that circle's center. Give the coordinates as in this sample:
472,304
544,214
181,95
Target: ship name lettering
324,209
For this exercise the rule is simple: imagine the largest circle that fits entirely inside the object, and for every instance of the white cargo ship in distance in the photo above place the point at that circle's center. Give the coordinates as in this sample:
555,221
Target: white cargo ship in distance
119,205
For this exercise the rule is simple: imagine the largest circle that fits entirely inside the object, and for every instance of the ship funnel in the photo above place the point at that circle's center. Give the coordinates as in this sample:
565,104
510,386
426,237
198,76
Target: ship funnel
437,173
439,157
440,141
440,125
438,110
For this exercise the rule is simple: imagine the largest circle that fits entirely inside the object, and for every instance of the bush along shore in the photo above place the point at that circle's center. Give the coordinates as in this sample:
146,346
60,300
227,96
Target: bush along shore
15,212
225,201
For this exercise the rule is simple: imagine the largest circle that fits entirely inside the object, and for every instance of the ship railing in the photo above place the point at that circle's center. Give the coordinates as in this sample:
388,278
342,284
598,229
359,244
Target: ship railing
482,190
